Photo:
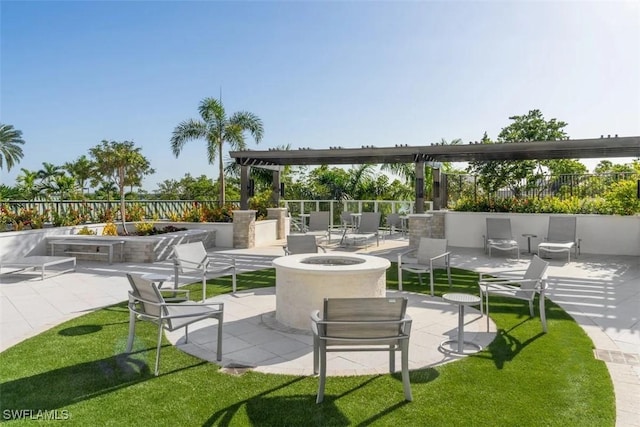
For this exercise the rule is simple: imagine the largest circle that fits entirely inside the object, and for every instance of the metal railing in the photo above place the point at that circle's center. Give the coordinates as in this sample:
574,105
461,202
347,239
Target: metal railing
160,209
336,207
561,186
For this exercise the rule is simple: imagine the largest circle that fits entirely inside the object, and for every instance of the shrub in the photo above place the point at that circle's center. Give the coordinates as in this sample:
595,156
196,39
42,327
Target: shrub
86,231
145,228
110,229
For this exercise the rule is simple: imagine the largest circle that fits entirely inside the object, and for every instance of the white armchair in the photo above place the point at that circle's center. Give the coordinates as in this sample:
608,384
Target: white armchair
430,253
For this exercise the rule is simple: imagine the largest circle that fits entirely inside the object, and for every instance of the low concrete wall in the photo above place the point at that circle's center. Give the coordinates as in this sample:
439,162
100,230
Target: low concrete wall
266,231
600,234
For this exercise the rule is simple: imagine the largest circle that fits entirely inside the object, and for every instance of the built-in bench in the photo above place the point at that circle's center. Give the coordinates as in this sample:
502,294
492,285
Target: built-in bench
88,246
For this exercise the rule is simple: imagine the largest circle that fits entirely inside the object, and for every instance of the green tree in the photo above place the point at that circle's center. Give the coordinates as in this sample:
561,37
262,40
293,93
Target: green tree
47,176
10,142
216,128
121,163
517,175
82,169
28,183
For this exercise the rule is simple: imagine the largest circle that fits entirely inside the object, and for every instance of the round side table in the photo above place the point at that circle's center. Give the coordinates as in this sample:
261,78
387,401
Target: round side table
529,236
461,300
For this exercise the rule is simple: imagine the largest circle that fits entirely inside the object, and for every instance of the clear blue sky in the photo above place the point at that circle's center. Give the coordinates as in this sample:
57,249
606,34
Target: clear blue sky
319,74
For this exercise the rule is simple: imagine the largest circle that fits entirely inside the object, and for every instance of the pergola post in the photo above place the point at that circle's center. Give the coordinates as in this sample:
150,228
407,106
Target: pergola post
437,199
419,187
244,187
275,189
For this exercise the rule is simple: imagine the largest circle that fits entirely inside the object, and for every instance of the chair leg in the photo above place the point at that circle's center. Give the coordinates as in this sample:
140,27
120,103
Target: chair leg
486,304
316,361
392,358
419,278
158,349
399,277
219,349
405,370
132,331
323,371
449,274
543,315
233,281
431,274
204,286
531,308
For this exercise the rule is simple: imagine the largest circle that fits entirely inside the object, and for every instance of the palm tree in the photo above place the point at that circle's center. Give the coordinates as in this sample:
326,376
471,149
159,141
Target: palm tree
27,182
216,128
48,175
81,170
10,150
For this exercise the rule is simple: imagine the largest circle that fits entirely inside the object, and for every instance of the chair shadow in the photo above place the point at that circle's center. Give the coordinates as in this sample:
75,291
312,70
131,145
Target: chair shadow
505,347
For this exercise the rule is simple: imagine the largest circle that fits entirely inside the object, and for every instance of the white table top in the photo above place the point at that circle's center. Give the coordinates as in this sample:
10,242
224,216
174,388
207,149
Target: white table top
461,299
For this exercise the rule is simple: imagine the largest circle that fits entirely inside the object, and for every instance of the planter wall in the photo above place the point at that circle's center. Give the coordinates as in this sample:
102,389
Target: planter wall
600,234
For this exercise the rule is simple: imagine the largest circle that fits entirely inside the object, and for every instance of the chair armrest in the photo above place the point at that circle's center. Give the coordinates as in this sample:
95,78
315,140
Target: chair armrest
445,254
406,253
175,291
322,247
496,274
489,283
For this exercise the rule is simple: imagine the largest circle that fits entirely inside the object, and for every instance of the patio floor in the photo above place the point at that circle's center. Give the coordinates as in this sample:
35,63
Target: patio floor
601,292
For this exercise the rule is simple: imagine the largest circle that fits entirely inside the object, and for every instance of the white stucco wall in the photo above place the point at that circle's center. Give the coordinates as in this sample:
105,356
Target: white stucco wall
266,231
600,234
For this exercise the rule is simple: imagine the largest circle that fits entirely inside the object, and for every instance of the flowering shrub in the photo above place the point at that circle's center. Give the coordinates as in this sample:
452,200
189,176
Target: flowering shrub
86,231
110,229
134,213
620,200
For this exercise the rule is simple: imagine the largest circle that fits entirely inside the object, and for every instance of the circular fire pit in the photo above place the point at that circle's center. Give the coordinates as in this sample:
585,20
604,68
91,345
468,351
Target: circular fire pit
303,281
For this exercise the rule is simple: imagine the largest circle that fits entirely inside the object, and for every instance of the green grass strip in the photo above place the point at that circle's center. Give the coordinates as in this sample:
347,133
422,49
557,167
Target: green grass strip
524,378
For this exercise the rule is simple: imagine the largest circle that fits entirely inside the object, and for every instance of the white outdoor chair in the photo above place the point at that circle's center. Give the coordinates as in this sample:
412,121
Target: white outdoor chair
302,244
499,236
368,228
361,324
394,222
193,257
147,303
561,236
319,224
520,284
430,253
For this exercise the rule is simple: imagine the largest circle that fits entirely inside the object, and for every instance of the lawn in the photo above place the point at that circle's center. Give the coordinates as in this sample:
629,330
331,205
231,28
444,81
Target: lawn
523,378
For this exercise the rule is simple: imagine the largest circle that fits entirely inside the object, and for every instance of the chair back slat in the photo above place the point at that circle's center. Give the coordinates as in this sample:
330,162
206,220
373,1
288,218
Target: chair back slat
301,244
319,221
147,291
535,273
369,222
562,229
363,310
429,248
499,228
191,256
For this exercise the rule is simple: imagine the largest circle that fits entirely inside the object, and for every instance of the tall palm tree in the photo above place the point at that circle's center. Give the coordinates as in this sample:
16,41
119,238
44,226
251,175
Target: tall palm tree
10,150
216,128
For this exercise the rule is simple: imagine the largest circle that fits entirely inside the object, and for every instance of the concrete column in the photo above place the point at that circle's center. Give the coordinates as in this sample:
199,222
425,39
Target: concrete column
244,229
280,214
437,225
419,226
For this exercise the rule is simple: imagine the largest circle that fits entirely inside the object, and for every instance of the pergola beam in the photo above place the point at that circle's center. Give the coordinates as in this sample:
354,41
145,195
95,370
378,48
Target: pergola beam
540,150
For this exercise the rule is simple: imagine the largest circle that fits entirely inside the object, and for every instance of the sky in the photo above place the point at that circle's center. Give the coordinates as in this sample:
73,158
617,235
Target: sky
318,73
